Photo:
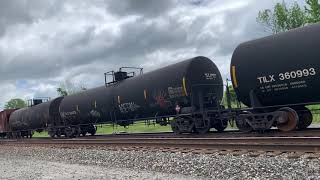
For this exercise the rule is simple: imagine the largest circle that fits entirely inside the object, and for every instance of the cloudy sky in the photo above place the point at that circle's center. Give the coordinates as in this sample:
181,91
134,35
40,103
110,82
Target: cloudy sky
45,43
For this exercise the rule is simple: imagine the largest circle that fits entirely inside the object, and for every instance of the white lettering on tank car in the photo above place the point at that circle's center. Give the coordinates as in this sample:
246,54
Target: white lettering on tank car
175,92
265,79
298,84
128,107
71,113
95,114
287,75
297,74
210,76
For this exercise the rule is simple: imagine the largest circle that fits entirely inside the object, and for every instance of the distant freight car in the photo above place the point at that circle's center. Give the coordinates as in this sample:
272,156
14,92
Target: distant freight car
4,121
23,121
38,117
185,87
281,70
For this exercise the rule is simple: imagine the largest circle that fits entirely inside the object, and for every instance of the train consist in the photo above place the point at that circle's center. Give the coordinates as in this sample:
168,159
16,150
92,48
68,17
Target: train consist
275,77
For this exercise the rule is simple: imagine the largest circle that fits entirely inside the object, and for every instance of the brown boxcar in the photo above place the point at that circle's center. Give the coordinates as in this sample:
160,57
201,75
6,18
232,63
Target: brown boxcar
4,121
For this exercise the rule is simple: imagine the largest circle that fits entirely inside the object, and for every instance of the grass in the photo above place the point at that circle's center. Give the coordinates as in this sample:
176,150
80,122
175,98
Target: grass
41,134
315,109
139,127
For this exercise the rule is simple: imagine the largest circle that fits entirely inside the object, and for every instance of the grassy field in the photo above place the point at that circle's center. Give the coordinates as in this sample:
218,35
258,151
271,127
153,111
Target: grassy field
139,127
315,112
42,134
135,128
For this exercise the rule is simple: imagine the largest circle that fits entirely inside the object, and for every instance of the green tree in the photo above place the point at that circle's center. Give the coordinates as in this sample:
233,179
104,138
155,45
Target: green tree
313,11
62,91
284,17
15,104
68,88
233,97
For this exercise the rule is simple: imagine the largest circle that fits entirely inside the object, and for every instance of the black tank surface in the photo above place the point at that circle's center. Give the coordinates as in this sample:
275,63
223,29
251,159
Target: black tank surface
279,69
90,106
35,117
30,118
152,94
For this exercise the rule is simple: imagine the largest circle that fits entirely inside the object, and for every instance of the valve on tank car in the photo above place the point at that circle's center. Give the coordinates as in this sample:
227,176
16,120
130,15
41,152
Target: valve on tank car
121,75
36,101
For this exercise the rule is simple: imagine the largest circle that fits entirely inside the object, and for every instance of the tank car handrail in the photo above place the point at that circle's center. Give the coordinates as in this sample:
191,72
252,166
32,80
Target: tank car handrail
125,67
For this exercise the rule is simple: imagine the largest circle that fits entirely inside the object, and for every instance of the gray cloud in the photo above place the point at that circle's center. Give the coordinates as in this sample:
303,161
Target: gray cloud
43,43
139,7
25,12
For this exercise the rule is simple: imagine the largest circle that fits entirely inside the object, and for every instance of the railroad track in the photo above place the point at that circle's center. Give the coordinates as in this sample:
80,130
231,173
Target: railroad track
229,142
311,132
205,145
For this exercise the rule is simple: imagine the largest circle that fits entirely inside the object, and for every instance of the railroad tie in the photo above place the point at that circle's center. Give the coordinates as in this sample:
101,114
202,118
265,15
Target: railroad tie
312,155
225,152
255,153
238,152
274,153
295,155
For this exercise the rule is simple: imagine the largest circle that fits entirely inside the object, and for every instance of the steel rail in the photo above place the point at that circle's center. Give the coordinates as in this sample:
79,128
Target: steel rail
226,134
304,144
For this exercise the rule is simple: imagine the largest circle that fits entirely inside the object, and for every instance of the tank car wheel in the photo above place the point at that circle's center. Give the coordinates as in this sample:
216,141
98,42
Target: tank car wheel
9,135
68,132
221,126
19,135
305,117
203,127
292,120
58,133
76,131
185,124
92,130
31,135
52,134
84,133
242,124
174,127
16,135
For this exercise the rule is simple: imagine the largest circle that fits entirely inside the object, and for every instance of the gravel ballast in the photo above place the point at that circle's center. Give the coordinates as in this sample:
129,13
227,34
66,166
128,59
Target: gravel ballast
56,163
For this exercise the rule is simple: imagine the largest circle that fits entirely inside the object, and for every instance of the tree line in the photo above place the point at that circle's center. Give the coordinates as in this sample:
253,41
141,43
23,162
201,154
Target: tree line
64,89
284,17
